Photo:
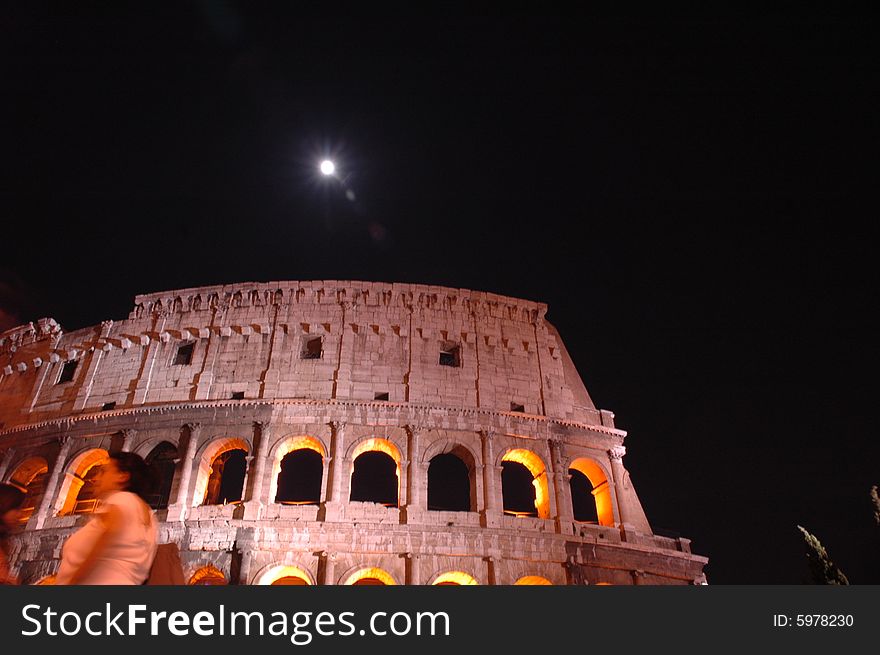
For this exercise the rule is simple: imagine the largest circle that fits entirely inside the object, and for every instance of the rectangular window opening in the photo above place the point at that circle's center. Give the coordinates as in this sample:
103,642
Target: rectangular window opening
238,395
184,354
67,372
108,406
516,407
312,349
381,396
450,355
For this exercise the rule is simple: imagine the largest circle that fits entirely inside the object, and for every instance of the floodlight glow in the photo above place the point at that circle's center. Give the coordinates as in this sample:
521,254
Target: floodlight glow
328,167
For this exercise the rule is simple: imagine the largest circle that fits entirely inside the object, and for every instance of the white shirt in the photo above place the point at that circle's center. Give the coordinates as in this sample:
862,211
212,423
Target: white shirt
129,553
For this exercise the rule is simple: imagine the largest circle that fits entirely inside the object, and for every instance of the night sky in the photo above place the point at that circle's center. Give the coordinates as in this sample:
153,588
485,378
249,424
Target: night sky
693,195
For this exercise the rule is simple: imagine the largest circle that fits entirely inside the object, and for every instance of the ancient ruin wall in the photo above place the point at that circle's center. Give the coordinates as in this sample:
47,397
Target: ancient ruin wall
256,379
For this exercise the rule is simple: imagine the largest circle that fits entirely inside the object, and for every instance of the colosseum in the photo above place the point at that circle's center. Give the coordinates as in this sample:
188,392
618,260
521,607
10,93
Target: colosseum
332,433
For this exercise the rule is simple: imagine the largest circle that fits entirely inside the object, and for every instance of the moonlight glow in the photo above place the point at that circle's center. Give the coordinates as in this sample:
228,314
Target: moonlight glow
328,167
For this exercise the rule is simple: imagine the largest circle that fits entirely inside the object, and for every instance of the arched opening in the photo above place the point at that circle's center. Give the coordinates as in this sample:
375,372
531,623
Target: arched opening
87,497
299,471
533,580
449,484
285,575
454,578
517,490
208,575
221,481
375,476
370,576
78,493
590,492
299,478
291,581
583,505
30,476
374,479
161,462
524,486
226,481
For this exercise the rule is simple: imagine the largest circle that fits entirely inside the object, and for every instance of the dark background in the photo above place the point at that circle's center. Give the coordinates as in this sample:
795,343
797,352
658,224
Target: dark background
693,195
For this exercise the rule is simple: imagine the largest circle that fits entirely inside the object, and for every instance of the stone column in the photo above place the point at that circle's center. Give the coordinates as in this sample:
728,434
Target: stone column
336,461
128,436
403,484
332,507
564,514
416,479
272,373
39,517
617,472
491,511
153,346
177,511
325,478
6,460
205,377
41,381
491,573
255,501
329,576
413,569
88,378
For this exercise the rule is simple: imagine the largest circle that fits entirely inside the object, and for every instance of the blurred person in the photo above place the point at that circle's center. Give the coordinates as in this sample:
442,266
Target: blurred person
118,545
10,501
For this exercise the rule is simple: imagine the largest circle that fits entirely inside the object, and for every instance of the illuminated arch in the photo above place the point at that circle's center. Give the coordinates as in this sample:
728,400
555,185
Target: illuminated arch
76,472
376,445
27,470
444,446
47,580
536,467
601,488
284,448
161,461
454,578
208,575
211,452
383,577
30,476
274,574
533,580
470,460
146,447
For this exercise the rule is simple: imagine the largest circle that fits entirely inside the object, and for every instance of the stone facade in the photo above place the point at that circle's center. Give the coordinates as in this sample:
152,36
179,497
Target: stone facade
341,368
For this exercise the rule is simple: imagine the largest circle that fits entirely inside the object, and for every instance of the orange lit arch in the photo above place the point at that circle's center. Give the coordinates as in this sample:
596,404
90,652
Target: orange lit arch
280,572
454,578
30,476
75,474
536,467
208,575
373,573
212,451
284,448
601,489
27,470
533,580
376,445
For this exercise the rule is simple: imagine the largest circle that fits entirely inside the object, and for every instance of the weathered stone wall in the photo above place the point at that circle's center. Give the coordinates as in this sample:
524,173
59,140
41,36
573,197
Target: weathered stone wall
127,393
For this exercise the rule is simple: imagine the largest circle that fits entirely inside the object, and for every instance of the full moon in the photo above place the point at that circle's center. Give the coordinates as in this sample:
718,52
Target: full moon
328,167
